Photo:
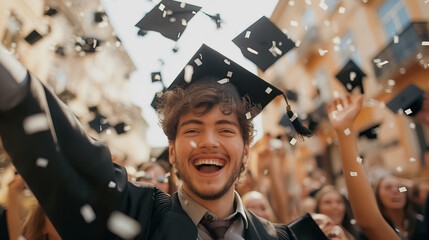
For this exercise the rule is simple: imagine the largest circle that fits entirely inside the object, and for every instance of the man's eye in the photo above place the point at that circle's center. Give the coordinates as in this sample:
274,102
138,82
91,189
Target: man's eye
227,131
190,131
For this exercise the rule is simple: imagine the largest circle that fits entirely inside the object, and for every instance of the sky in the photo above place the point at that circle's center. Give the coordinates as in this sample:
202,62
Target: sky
150,51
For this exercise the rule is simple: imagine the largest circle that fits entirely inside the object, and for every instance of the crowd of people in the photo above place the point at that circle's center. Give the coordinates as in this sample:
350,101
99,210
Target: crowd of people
205,184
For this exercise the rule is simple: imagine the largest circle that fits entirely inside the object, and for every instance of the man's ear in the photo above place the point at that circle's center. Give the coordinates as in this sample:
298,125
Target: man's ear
171,152
246,154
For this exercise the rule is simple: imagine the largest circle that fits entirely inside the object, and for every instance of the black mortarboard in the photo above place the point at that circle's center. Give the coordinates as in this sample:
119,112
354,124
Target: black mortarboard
88,44
263,43
306,228
50,11
169,18
33,37
410,100
99,16
99,123
66,96
292,95
208,63
121,128
156,77
371,132
60,51
351,76
141,33
93,109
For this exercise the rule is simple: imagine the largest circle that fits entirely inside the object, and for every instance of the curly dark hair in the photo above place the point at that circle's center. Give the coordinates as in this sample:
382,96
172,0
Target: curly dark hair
205,93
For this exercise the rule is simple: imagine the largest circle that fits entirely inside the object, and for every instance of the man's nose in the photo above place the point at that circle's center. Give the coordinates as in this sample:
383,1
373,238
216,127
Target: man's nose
209,140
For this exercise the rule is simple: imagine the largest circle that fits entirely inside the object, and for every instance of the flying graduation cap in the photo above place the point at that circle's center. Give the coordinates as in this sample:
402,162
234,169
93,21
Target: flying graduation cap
99,123
33,37
351,76
263,43
121,128
169,18
371,132
208,63
156,77
410,100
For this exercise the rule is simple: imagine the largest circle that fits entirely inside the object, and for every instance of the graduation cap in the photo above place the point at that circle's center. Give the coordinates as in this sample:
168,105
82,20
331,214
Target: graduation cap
88,44
371,132
99,123
60,51
292,95
263,43
410,100
306,228
141,33
209,64
66,96
93,109
99,16
121,128
33,37
351,76
156,77
169,18
50,12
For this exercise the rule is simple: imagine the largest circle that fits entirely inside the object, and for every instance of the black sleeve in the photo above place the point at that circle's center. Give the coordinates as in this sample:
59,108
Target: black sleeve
79,176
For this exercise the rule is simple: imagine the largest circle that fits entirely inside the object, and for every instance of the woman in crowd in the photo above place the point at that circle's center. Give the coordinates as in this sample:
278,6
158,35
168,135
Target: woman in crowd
258,203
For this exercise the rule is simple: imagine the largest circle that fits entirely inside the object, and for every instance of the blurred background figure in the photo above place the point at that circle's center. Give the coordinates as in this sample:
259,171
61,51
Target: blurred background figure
329,228
258,204
156,173
419,194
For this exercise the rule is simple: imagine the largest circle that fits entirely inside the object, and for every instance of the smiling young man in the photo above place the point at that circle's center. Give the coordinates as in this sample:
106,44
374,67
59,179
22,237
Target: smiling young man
206,114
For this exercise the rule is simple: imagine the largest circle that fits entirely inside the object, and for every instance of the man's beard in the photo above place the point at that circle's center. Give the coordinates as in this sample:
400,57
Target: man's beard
231,180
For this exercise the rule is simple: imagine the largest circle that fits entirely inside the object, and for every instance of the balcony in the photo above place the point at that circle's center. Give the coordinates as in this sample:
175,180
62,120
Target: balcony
406,52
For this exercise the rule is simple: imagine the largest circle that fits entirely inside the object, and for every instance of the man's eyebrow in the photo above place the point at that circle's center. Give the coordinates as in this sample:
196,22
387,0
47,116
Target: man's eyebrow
226,122
192,121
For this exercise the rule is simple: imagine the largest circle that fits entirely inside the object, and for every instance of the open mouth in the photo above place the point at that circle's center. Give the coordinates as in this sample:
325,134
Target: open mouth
208,166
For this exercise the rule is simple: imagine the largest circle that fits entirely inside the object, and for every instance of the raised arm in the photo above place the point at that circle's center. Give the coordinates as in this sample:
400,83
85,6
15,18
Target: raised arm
342,113
14,223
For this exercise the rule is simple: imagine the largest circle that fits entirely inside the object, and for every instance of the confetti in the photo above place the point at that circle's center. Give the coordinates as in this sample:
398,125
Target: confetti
252,51
173,19
182,4
161,7
322,52
402,189
248,115
298,43
353,221
42,162
247,34
21,238
268,90
293,141
295,115
293,23
184,22
291,3
412,125
36,123
193,144
323,5
349,86
123,226
223,81
229,74
391,82
189,71
308,2
336,40
425,43
198,62
412,159
341,10
87,213
226,61
266,172
408,111
381,64
347,131
352,76
340,107
112,184
275,50
395,39
399,169
353,174
359,159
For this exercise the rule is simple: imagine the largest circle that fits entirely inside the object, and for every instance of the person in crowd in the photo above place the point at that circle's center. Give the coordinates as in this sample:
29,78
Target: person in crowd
258,204
419,193
86,196
36,226
342,113
330,202
330,229
154,173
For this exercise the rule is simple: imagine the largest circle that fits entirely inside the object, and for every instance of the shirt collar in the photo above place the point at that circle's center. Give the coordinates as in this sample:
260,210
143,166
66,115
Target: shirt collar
196,212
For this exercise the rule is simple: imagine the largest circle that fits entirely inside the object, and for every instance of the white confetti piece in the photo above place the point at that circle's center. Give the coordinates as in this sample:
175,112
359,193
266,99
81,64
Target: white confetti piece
229,74
294,116
112,184
308,2
189,71
349,86
182,4
298,43
21,238
322,52
412,159
340,107
223,81
247,34
359,159
266,172
347,131
408,111
161,7
193,144
353,174
381,64
198,62
42,162
291,3
293,141
412,125
226,61
402,189
252,51
391,82
353,221
275,50
123,225
336,40
173,19
352,76
248,115
36,123
425,43
87,213
184,22
157,77
399,169
323,5
341,10
293,23
395,39
268,90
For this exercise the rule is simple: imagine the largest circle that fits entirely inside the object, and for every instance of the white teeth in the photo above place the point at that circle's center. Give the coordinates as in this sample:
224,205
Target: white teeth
209,162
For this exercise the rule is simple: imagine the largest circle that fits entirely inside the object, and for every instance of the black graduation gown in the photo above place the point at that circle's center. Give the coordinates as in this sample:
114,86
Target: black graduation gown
78,174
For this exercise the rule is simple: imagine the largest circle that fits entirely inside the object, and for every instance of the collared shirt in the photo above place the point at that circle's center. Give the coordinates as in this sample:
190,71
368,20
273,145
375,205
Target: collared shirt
197,212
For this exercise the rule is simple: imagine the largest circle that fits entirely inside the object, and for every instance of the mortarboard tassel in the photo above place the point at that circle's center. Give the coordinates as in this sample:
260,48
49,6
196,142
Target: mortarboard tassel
300,129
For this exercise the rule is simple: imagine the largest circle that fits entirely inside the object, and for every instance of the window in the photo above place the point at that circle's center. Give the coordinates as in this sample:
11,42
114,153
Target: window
347,49
394,17
11,34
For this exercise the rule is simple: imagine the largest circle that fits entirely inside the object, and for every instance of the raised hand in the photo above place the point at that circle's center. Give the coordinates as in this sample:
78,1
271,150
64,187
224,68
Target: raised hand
343,112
